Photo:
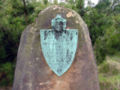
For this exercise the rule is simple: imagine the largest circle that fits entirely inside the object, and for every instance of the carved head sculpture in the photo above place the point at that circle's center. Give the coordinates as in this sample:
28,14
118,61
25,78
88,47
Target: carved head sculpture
58,23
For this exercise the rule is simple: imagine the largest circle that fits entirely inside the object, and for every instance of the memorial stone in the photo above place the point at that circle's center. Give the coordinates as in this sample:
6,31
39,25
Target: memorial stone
55,53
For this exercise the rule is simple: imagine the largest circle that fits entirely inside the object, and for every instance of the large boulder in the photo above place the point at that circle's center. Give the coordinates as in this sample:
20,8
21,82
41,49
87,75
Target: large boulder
33,73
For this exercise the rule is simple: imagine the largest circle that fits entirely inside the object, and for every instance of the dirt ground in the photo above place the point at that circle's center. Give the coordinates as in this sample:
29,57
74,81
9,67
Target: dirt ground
6,88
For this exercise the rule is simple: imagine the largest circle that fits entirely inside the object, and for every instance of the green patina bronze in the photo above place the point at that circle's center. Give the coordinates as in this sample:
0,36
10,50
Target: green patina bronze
59,45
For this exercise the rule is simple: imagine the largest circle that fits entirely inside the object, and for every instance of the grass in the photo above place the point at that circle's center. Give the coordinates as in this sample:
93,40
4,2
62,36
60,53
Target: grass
110,82
109,73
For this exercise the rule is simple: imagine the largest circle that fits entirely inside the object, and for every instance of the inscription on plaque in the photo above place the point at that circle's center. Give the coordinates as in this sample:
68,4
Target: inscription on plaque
59,45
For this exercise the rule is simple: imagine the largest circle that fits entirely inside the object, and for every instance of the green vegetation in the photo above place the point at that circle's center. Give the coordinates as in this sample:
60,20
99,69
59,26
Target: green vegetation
103,22
14,17
109,73
7,73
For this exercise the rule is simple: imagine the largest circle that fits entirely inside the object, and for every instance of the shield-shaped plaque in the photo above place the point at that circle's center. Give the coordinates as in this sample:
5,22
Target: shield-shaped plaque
59,45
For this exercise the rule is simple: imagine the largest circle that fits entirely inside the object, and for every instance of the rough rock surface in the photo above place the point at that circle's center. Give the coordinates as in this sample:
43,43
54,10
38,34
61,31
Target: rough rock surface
32,71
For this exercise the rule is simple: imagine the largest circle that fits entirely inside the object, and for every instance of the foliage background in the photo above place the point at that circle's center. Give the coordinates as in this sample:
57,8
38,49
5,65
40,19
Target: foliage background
103,21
